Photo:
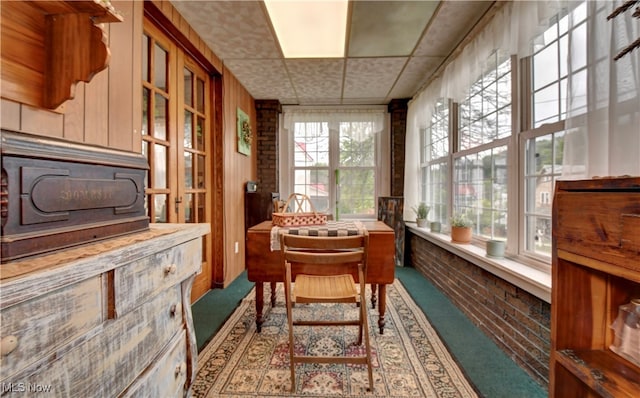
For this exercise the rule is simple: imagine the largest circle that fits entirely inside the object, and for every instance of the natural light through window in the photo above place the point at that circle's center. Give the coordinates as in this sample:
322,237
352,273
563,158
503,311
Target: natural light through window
309,29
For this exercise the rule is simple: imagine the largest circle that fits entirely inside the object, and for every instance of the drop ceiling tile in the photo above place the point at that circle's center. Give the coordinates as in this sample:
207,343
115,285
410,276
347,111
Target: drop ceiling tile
415,73
387,28
232,29
371,77
264,79
452,22
316,78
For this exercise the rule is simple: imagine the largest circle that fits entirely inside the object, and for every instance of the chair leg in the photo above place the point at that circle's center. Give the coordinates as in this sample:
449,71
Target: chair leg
289,304
292,364
367,345
364,324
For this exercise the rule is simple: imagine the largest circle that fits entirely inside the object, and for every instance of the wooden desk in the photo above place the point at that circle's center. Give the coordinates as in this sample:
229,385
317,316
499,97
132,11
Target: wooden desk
264,265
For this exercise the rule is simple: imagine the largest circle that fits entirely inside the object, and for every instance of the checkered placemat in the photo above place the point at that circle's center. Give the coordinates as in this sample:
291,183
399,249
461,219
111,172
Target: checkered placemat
331,228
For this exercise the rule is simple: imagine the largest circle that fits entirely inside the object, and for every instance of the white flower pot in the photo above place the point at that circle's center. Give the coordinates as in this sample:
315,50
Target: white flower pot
495,248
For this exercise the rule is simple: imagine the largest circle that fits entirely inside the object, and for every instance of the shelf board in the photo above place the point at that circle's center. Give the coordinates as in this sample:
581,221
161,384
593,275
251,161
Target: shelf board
603,371
595,264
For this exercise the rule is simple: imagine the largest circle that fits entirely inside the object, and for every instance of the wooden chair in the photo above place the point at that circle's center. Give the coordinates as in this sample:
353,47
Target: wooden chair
324,269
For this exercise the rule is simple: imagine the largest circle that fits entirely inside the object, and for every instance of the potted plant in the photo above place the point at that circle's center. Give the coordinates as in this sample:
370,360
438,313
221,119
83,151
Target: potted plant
461,228
422,210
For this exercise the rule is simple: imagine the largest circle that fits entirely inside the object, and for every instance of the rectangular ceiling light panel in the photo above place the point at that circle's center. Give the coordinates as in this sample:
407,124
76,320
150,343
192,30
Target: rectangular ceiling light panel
309,29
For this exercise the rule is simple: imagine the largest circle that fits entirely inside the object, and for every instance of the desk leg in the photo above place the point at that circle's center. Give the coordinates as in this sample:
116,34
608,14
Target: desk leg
374,288
382,307
259,305
273,294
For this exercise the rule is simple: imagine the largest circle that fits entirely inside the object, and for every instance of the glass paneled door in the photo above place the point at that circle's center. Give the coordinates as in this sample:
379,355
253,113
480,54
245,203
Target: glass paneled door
176,139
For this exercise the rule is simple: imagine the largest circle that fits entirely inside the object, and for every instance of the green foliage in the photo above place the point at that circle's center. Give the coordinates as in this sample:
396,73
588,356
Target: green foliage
422,210
461,220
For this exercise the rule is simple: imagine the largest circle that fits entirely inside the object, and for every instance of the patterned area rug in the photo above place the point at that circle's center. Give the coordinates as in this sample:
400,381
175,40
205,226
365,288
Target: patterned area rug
409,359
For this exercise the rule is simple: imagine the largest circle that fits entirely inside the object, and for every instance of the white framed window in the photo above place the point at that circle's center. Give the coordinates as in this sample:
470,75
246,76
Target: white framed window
337,158
434,163
480,183
544,135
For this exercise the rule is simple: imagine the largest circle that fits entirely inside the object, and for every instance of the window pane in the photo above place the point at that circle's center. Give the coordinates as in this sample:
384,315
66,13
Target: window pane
201,172
200,134
188,208
544,65
188,170
311,144
188,129
145,111
188,87
437,191
315,184
480,190
159,166
160,208
546,105
200,207
160,117
356,192
483,115
160,67
579,92
357,144
504,122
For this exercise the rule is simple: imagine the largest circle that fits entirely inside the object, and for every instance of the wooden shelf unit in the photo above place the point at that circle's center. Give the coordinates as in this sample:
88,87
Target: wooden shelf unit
596,268
49,46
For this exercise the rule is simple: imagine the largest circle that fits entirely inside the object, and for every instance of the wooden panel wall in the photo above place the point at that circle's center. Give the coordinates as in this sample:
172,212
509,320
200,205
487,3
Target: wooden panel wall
238,169
107,110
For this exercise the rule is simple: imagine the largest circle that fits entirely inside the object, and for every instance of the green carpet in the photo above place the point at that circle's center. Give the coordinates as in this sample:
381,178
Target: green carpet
492,372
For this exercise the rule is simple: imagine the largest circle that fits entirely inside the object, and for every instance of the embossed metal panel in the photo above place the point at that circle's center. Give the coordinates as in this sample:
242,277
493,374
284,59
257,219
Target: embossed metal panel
56,194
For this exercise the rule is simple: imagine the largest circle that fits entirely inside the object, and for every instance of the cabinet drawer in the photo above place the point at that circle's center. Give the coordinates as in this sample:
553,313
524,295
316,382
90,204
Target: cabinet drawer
42,325
604,226
167,375
105,364
136,282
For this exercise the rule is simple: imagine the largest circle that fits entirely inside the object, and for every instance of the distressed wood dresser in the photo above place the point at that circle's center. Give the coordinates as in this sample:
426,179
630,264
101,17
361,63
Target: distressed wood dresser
108,319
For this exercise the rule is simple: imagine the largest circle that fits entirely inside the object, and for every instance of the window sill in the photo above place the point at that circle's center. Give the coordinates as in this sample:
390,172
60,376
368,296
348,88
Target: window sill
521,275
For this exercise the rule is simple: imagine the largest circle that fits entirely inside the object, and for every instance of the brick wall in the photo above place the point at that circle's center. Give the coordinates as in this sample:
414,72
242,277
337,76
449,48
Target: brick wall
517,321
398,114
267,119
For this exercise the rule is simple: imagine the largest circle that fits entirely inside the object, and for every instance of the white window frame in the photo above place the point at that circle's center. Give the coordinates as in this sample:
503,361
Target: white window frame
382,165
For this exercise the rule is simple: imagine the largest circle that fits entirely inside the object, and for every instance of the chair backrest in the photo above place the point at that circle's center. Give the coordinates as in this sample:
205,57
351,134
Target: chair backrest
316,252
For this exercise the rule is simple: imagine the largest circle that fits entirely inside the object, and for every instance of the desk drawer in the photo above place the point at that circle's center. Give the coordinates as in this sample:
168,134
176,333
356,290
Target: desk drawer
136,282
44,324
167,375
105,364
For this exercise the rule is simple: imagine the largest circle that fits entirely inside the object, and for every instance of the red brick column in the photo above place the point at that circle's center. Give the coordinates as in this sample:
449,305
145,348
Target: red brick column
267,115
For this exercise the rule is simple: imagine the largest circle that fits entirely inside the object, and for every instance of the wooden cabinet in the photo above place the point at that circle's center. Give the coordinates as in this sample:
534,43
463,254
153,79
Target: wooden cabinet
596,268
108,319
